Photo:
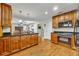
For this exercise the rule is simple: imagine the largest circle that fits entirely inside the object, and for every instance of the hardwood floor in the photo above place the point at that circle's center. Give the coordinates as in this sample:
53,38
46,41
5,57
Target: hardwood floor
46,48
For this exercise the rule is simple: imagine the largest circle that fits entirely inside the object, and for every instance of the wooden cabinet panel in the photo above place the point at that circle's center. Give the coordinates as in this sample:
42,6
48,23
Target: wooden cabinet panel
1,46
54,38
6,15
15,43
23,41
28,38
73,17
36,39
0,31
55,22
0,15
32,39
9,16
61,18
66,17
6,45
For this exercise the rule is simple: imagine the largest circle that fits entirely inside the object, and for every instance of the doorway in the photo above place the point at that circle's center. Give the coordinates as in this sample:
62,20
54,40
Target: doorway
40,30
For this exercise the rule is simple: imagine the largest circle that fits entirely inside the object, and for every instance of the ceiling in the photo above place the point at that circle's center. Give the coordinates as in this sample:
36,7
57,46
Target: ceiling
36,11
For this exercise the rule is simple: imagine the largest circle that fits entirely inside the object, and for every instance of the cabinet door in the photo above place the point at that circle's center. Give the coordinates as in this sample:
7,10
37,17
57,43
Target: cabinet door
61,18
67,17
32,39
9,16
0,14
55,22
15,43
36,39
1,46
6,15
54,38
0,31
23,41
6,45
28,38
73,17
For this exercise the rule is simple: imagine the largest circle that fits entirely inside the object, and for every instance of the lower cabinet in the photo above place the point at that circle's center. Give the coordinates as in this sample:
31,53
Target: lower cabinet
1,46
28,37
6,45
11,44
35,39
23,42
15,43
54,38
32,40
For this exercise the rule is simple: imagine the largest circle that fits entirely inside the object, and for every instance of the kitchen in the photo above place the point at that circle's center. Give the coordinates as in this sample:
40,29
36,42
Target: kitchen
20,29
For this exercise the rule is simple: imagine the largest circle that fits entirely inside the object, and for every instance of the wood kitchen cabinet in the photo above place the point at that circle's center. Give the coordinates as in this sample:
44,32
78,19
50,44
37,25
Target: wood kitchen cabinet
0,22
32,39
1,31
15,43
73,17
6,14
1,46
6,45
28,37
35,39
61,18
0,15
55,22
64,17
24,41
54,38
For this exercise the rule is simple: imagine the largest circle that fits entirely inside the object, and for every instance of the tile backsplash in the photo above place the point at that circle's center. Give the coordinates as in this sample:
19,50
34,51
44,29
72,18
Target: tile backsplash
6,29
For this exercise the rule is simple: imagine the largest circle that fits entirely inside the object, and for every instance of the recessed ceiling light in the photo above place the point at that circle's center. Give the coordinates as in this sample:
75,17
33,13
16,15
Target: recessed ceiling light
55,8
46,12
20,21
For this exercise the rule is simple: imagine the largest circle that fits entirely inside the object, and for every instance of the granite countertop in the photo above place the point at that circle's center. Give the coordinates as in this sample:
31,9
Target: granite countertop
19,34
23,34
65,32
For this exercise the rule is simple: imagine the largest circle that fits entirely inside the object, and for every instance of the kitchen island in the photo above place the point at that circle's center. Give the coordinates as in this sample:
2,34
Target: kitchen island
13,43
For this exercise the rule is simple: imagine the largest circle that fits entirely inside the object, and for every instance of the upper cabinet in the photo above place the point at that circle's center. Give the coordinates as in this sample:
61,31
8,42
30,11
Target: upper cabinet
69,17
73,17
0,15
6,14
61,18
55,22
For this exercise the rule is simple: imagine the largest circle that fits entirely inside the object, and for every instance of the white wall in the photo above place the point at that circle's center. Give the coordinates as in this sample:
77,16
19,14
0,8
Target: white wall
48,29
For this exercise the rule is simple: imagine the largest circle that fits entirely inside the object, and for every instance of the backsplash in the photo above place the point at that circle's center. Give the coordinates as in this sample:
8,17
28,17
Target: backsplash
6,29
64,29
